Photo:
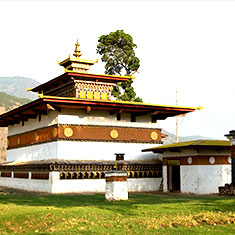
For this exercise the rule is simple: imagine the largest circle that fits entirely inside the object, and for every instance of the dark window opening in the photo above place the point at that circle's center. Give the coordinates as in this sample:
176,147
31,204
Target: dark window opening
118,116
133,118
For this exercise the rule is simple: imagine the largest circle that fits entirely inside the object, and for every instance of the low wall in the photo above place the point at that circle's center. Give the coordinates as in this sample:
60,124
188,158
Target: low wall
27,184
55,185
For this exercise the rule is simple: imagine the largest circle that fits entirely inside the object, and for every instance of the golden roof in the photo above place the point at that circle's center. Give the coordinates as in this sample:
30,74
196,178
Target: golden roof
187,144
77,64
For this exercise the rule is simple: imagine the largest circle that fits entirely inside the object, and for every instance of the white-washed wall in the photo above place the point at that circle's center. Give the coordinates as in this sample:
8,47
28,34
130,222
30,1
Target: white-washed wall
76,185
204,179
144,184
69,116
102,150
46,120
75,150
27,184
98,185
164,175
34,152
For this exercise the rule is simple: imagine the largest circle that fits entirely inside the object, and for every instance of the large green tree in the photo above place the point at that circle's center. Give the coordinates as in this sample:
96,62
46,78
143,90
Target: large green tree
117,51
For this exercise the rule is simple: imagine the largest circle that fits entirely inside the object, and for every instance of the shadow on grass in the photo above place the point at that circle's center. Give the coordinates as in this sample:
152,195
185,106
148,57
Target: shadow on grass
165,202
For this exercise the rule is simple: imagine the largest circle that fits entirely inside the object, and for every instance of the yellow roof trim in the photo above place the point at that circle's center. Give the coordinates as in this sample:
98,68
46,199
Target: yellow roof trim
105,75
119,101
78,60
190,144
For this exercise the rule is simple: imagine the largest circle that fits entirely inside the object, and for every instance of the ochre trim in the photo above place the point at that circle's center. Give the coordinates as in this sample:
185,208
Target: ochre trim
84,133
115,178
199,160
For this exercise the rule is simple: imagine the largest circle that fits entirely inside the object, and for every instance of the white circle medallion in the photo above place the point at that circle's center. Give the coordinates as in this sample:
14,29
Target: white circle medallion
229,160
190,160
211,160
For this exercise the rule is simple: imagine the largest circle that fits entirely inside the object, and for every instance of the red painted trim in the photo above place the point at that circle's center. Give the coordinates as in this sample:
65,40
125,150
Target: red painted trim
107,77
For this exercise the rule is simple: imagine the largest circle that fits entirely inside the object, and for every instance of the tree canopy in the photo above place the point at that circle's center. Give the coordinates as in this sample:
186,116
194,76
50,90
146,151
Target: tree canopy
117,51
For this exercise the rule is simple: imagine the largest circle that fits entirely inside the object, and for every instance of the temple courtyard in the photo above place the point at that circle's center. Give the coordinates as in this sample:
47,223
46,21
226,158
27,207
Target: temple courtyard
143,213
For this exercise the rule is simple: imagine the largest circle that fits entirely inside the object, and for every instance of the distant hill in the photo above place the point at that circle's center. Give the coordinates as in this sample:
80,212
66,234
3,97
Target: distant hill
171,138
8,102
17,86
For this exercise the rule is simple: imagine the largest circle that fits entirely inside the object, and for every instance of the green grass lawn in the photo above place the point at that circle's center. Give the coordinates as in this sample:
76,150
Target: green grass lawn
141,214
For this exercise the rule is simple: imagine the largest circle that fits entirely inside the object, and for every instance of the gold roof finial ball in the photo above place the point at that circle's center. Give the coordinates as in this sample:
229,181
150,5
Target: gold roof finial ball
77,52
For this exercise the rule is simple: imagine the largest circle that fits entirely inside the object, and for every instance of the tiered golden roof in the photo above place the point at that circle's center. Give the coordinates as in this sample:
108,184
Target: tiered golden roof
77,64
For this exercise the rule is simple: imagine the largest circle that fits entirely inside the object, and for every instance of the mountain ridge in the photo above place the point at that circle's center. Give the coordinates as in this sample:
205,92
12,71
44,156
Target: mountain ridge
171,138
17,86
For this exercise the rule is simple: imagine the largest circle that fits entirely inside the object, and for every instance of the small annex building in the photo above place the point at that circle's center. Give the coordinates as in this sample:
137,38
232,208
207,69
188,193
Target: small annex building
198,167
74,132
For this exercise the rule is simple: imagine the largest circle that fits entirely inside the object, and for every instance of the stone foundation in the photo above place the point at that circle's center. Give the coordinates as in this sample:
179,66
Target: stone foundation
228,189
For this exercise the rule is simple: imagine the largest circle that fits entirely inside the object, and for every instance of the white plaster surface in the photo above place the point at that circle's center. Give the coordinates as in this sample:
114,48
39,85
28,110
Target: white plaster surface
204,179
116,191
232,141
115,173
76,185
46,120
75,150
27,184
98,185
164,175
144,184
34,152
69,116
102,150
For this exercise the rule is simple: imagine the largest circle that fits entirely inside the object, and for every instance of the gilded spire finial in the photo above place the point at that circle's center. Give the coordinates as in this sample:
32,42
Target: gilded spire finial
77,52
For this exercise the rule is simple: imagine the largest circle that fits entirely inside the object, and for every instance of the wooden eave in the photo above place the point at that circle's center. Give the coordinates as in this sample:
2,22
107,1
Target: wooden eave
64,78
43,105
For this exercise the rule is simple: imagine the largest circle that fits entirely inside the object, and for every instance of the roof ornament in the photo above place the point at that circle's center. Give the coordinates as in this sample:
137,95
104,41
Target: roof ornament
77,51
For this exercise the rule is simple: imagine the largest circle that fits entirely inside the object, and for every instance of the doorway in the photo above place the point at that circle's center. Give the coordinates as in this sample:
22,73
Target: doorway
173,175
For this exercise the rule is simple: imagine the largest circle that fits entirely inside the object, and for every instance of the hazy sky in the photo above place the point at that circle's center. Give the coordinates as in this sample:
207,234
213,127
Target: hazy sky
187,46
